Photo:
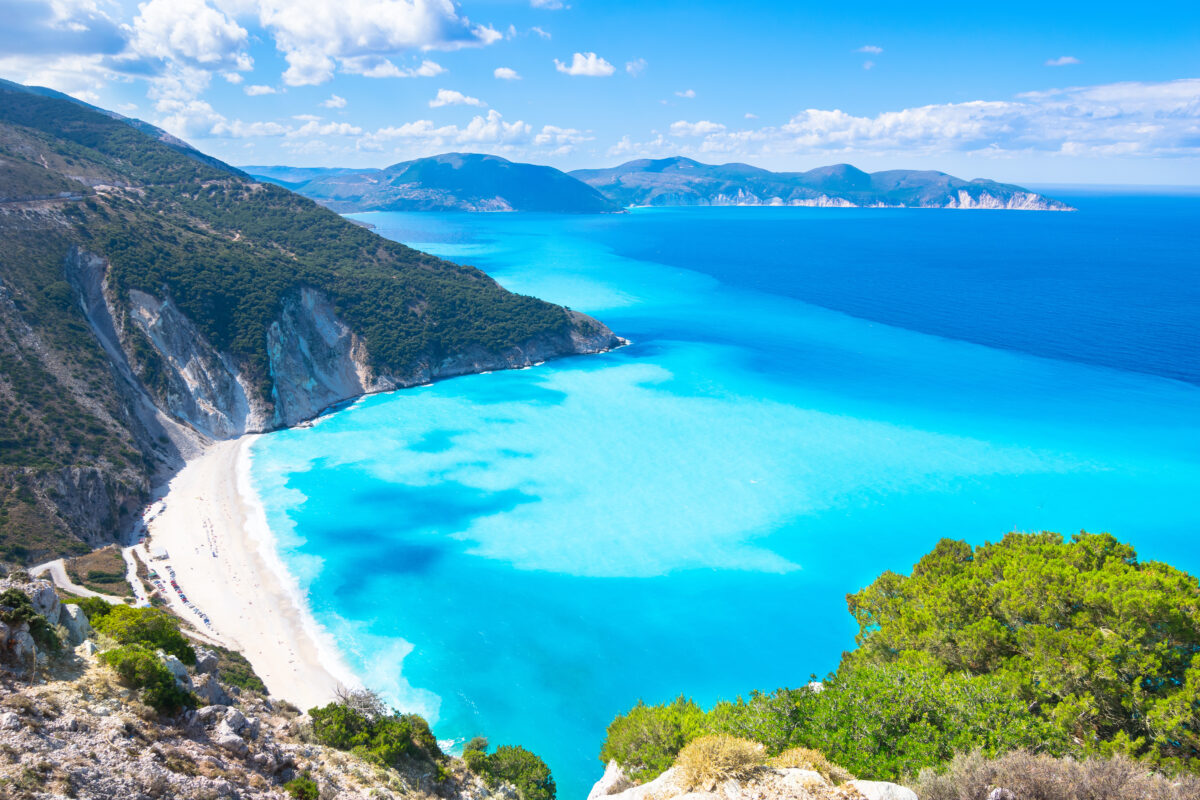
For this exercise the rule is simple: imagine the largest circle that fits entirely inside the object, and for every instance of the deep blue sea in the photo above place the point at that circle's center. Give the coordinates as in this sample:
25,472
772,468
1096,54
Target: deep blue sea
812,396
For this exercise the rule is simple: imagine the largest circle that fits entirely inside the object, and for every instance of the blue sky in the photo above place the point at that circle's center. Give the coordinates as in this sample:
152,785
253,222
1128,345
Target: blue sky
1032,92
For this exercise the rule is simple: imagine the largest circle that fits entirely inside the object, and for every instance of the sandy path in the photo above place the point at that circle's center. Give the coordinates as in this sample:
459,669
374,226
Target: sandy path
215,545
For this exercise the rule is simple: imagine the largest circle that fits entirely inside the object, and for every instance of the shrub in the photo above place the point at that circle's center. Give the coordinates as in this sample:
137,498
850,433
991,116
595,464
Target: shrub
139,668
807,758
151,627
707,762
524,770
303,787
16,607
360,722
972,776
646,740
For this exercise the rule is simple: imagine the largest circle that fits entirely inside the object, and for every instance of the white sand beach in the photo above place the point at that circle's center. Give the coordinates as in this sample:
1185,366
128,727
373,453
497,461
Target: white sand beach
225,564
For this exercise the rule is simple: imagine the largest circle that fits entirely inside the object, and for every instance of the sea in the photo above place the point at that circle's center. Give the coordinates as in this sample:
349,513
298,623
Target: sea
810,397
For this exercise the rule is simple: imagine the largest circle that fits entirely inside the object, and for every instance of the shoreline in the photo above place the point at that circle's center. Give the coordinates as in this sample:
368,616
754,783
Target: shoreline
214,530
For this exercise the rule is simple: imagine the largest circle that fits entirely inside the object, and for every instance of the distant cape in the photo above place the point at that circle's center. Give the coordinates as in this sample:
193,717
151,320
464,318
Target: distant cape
474,182
684,182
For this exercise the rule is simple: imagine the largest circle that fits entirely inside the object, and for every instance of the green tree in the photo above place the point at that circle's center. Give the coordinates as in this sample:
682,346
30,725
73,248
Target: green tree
646,740
151,627
524,770
141,669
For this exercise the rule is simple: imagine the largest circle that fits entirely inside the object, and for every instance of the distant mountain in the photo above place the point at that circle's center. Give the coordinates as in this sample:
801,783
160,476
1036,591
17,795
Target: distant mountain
449,182
684,182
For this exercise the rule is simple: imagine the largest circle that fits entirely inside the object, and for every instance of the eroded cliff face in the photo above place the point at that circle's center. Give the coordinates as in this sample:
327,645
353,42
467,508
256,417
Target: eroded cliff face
316,360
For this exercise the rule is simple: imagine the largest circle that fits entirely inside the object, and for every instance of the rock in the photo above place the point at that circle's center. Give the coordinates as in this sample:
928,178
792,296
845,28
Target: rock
4,634
21,644
615,780
45,600
211,715
9,721
76,622
210,690
236,720
177,669
1002,794
88,648
225,737
882,790
206,660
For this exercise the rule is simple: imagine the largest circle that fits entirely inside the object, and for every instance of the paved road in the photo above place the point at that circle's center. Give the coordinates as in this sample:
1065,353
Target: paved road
58,574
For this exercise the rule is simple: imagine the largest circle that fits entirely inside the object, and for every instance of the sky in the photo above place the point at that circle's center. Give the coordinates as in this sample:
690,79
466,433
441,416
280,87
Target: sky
1035,92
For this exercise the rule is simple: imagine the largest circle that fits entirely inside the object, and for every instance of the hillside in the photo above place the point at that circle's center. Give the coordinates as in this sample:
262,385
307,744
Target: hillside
684,182
152,298
449,182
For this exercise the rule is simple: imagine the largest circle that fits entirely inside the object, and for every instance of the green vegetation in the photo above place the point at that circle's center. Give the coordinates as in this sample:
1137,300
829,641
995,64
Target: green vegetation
358,721
303,787
1035,643
511,764
236,670
16,607
146,627
141,669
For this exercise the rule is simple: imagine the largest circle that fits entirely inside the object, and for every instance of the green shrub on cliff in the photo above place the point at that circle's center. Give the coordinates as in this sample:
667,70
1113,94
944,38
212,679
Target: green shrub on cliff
16,607
141,669
1033,642
524,770
360,722
150,627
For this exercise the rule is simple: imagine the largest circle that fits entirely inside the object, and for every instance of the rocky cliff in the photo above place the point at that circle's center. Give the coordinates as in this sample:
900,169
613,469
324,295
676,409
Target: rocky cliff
153,298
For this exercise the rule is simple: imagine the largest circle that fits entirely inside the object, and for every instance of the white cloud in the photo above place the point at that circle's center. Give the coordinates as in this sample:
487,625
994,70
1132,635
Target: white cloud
588,64
317,37
868,64
1062,61
237,129
189,31
491,129
314,127
334,101
686,93
540,32
870,48
232,77
635,67
1128,119
550,5
701,128
449,97
749,115
258,89
506,74
307,117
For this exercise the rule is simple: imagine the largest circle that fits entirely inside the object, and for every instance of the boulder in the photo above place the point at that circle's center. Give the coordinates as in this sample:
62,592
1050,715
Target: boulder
210,690
615,780
882,790
176,667
211,715
206,660
22,646
225,737
1000,793
9,721
4,634
45,600
76,622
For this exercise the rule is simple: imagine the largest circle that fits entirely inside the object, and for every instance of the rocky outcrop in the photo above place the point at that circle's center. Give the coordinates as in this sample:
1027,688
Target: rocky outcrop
765,783
76,624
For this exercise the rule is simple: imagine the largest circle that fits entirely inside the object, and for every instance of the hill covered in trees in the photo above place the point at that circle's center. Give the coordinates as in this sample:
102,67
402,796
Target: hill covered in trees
152,296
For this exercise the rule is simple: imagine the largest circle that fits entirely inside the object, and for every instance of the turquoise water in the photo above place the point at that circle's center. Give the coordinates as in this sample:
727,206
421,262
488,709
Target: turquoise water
811,397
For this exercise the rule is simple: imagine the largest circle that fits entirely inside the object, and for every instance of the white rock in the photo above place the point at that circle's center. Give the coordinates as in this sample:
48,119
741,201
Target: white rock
9,721
210,690
76,622
882,790
206,660
225,737
45,601
177,669
615,780
23,648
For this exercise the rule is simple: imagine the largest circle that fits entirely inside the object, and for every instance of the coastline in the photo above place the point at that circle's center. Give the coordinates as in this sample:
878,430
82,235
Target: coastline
214,529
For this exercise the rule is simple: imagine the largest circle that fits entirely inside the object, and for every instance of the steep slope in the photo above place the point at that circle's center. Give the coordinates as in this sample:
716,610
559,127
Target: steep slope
152,298
684,182
449,182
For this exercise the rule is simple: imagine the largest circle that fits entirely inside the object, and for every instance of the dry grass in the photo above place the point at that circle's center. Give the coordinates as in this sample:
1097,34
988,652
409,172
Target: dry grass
101,571
1041,777
709,761
805,758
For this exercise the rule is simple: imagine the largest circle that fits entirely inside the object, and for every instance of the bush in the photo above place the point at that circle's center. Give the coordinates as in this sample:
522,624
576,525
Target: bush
360,722
16,607
139,668
303,787
151,627
707,762
646,740
524,770
974,777
807,758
